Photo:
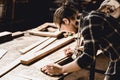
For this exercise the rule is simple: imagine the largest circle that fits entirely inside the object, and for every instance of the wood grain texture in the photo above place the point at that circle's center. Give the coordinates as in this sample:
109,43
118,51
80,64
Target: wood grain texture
30,58
2,52
47,34
12,65
9,67
30,47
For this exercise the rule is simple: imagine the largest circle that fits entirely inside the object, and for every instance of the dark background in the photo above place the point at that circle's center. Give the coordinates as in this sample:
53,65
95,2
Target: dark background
19,15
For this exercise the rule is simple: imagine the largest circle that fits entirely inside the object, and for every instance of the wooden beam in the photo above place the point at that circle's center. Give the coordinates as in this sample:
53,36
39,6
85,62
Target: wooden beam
4,33
5,36
26,49
48,34
41,46
30,58
50,29
17,34
45,25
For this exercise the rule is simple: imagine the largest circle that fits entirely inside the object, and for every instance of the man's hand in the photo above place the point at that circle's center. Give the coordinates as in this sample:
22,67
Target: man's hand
68,52
52,69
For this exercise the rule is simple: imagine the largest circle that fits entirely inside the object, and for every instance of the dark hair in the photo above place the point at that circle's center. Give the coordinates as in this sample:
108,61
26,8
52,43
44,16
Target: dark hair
67,10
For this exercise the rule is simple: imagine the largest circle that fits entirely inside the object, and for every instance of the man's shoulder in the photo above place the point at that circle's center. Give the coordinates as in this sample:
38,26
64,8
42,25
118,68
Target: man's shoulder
95,14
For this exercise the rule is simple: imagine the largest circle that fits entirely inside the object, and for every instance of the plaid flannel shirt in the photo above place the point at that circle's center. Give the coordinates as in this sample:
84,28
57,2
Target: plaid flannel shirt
100,32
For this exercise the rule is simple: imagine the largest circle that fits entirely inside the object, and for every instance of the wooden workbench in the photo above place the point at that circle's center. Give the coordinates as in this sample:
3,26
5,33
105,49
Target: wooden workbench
32,72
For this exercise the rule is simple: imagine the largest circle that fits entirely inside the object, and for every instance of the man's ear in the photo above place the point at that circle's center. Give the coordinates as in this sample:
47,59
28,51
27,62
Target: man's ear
66,21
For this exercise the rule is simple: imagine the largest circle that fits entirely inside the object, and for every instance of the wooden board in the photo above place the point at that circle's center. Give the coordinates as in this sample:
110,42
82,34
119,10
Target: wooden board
30,58
45,25
56,34
42,45
26,49
4,33
5,36
17,34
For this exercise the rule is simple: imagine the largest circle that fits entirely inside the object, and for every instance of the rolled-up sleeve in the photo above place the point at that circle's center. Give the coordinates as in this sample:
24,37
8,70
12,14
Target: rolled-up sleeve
88,55
84,60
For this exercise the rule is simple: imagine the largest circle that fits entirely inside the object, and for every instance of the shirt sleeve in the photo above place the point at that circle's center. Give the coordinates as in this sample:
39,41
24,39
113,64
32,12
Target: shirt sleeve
91,31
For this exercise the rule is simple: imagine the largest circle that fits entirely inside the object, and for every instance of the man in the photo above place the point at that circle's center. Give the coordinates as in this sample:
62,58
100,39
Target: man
66,18
100,31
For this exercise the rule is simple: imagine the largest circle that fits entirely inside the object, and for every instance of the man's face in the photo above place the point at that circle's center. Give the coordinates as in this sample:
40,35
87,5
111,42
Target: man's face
70,26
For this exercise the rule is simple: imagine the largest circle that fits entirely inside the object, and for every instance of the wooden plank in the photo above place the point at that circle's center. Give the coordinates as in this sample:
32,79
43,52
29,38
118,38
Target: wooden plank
48,34
5,33
50,29
42,45
45,25
2,52
22,51
17,34
5,36
30,58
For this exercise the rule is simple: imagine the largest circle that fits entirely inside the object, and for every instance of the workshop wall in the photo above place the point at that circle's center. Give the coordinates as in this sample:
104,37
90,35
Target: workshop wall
23,14
18,15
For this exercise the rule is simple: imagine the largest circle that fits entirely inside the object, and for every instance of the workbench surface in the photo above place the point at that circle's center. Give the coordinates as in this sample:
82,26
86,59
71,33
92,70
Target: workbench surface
32,72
